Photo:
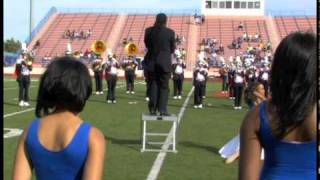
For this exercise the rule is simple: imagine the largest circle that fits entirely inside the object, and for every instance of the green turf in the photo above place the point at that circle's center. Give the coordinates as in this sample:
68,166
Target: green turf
200,134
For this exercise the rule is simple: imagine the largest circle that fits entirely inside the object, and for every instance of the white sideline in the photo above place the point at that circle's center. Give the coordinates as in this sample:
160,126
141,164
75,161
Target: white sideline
19,112
16,88
153,174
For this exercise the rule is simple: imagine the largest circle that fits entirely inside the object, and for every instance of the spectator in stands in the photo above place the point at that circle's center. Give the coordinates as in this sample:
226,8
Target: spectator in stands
286,125
257,37
82,36
36,45
221,49
269,46
124,41
245,36
58,144
130,40
89,33
240,27
183,54
202,19
183,39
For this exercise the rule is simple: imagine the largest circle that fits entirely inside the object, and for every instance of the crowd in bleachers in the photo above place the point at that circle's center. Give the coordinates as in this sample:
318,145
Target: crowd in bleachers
74,34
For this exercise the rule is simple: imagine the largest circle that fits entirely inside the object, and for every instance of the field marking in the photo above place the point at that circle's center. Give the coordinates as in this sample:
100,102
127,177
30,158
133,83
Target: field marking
12,132
18,112
154,172
8,80
16,88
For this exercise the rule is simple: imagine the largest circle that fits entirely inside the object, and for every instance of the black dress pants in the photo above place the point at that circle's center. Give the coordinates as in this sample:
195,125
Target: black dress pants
98,80
24,83
198,92
238,88
159,90
177,85
129,75
112,82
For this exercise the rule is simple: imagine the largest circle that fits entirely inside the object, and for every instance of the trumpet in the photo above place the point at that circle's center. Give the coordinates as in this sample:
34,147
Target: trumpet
99,47
131,49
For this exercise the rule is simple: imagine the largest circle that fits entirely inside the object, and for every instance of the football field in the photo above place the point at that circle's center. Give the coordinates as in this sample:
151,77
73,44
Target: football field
200,133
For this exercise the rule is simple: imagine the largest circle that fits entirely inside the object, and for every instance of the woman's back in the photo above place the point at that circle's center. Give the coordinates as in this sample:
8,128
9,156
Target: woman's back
294,156
58,148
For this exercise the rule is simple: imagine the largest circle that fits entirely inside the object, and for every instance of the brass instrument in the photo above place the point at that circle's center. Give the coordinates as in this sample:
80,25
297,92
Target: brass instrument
131,49
99,47
29,59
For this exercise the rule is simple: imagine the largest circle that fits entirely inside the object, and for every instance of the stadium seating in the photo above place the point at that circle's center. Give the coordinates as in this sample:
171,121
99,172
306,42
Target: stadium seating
288,24
52,41
224,29
136,24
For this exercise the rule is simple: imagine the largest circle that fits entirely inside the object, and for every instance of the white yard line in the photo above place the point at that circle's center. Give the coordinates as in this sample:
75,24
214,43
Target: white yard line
154,172
16,88
19,112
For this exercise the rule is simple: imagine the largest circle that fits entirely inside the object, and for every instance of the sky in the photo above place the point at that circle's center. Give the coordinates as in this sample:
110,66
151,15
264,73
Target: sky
16,12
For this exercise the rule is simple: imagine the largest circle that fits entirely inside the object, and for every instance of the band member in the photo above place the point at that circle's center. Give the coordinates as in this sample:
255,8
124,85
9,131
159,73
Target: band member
231,72
178,77
97,69
199,79
224,75
251,75
239,82
111,75
129,65
23,69
203,64
264,79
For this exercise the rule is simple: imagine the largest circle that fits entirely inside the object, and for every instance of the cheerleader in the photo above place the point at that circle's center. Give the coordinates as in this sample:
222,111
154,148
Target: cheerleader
23,69
97,70
178,77
239,82
111,74
129,65
200,75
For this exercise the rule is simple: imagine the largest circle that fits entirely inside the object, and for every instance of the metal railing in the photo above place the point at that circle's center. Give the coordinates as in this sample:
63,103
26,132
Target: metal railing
39,26
128,11
271,12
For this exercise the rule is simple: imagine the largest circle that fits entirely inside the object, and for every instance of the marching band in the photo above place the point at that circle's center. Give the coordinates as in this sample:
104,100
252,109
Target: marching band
236,74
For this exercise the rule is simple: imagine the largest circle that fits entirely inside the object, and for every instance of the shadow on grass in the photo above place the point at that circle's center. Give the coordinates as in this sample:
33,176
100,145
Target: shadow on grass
190,144
130,143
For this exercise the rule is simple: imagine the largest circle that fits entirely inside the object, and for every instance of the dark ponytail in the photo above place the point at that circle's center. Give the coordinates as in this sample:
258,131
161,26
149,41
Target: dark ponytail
293,80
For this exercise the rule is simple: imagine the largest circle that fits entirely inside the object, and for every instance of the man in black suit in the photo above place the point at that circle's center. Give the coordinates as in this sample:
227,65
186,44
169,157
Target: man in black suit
160,42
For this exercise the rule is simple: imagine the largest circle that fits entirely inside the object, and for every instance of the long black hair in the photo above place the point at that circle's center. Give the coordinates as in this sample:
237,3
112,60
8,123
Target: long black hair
65,85
293,80
161,21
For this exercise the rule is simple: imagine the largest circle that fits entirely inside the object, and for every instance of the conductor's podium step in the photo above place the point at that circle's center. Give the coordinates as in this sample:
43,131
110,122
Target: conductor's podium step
171,136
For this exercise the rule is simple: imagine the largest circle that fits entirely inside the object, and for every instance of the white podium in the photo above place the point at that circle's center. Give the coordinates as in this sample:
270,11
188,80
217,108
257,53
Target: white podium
172,140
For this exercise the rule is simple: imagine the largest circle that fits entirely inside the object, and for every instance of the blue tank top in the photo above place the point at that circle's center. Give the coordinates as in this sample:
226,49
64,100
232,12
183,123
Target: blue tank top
67,163
285,160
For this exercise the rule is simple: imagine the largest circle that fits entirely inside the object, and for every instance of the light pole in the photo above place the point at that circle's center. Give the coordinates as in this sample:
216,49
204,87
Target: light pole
31,19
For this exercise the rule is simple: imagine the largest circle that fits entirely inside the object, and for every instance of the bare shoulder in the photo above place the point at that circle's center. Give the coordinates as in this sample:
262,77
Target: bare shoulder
96,136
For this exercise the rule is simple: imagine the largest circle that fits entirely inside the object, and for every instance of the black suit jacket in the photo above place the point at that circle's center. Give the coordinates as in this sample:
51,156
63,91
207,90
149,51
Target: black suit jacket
160,47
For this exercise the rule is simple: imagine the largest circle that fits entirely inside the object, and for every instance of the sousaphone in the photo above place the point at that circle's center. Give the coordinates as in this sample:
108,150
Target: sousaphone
131,49
99,47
